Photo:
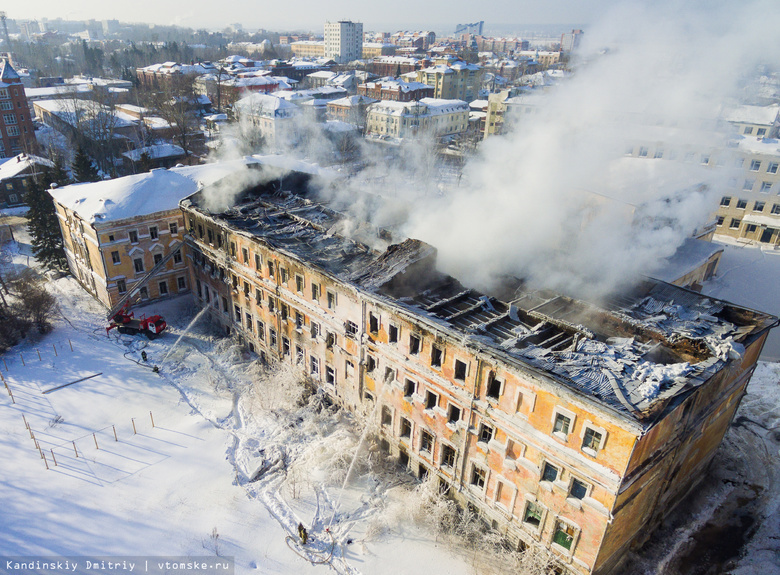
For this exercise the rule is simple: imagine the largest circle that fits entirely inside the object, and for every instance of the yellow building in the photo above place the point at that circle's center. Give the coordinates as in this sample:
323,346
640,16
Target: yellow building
116,231
391,119
457,81
567,425
373,50
308,49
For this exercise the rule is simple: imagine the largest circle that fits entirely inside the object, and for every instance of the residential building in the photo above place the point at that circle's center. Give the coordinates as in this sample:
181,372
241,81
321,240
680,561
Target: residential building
459,80
16,129
545,58
421,40
159,75
308,49
17,176
373,50
269,118
352,110
395,66
756,121
116,231
570,426
388,119
396,90
344,41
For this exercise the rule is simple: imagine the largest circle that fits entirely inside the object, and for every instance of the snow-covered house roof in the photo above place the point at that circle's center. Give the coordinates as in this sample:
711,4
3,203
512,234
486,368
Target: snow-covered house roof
351,101
155,152
159,190
18,164
762,115
266,105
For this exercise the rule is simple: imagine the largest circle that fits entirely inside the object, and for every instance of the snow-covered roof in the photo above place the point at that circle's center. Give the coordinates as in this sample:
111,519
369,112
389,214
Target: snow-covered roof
691,255
441,106
350,101
141,194
400,85
762,115
53,91
265,105
323,74
767,146
18,164
155,151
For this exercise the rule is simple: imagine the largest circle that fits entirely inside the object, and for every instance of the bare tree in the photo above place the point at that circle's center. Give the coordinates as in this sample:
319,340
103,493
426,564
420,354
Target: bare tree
177,103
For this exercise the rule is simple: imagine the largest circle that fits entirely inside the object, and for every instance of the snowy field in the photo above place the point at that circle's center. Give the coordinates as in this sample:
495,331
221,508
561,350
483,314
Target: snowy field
224,461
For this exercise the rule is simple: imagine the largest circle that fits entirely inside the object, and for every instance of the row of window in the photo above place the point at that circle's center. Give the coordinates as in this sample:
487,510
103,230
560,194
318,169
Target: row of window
162,286
741,204
154,233
704,159
533,513
138,263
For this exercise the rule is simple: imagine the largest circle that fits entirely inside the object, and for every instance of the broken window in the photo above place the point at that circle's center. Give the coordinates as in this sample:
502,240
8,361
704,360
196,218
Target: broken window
258,263
315,329
330,375
233,249
298,320
299,284
578,489
351,328
564,534
260,330
478,476
436,355
153,232
271,304
406,427
314,367
298,355
248,318
285,311
403,458
133,235
533,513
370,363
332,301
284,275
493,387
245,255
315,292
426,442
271,269
115,257
460,370
209,234
387,416
237,313
562,424
285,346
414,344
246,288
447,456
224,304
373,323
431,400
392,335
138,264
330,339
549,472
409,388
485,433
453,413
258,295
389,374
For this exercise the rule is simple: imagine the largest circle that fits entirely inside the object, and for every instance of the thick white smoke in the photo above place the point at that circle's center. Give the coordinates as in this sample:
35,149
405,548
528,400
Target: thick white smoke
556,202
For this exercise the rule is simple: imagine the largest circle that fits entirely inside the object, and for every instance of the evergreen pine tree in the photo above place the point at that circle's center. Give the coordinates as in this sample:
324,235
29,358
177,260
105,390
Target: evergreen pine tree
83,169
42,222
144,163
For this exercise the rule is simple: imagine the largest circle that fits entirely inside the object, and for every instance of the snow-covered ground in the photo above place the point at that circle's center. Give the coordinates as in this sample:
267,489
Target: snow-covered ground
234,462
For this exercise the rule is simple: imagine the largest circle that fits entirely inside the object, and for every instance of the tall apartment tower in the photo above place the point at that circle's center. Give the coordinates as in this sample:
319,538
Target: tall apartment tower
343,41
16,128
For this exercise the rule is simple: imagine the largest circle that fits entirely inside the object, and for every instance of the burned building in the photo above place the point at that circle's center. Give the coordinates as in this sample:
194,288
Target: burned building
569,425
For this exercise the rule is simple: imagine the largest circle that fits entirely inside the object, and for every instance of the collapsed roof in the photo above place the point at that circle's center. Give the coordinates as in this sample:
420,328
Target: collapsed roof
633,353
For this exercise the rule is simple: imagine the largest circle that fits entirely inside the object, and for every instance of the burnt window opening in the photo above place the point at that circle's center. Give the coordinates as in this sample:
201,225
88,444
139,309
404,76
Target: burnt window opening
493,387
237,313
414,344
314,367
200,231
422,472
315,330
272,337
285,311
387,416
406,428
373,323
258,263
260,330
478,476
153,234
298,320
332,301
315,292
447,456
299,355
258,295
564,534
209,235
392,334
233,249
389,374
299,284
485,433
403,458
246,288
409,388
133,235
248,318
436,356
330,375
224,304
460,370
271,304
271,272
370,363
431,400
245,255
330,339
285,346
453,414
533,513
351,329
284,275
426,442
549,472
219,241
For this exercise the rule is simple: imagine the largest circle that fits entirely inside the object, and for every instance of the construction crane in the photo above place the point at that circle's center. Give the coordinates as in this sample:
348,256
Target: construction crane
124,321
5,32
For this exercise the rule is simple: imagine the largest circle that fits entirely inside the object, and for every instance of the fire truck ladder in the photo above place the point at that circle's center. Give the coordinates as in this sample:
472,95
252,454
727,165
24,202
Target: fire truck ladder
142,282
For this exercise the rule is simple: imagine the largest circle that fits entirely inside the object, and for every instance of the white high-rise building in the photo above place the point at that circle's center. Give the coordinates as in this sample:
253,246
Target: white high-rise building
344,41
